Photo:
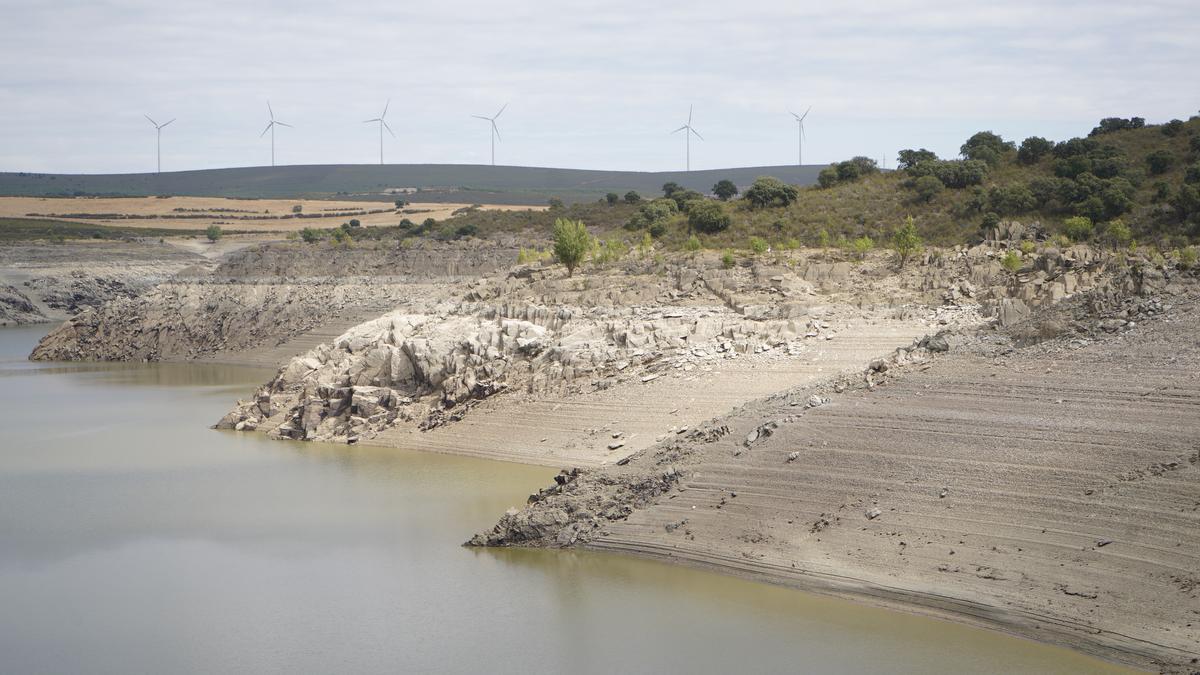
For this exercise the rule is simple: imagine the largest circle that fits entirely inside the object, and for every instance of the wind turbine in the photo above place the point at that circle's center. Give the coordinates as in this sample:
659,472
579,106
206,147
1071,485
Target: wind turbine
159,127
495,129
271,128
687,138
800,136
382,125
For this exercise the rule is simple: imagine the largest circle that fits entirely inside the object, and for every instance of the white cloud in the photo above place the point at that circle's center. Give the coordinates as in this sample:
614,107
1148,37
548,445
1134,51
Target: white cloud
591,84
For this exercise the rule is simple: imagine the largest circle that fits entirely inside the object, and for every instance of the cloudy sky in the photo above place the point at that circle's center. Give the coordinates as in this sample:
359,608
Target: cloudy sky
589,84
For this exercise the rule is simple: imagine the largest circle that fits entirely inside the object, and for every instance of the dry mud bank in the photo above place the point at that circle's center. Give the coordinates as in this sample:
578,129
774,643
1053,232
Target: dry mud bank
1051,490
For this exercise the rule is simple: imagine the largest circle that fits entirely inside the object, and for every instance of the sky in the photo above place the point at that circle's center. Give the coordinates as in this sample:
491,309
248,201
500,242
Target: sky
596,85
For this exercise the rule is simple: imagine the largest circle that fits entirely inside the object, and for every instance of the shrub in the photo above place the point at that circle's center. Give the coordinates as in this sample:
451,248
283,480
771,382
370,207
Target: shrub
684,198
828,177
758,245
1111,124
1192,174
823,238
927,187
1028,247
692,244
341,235
1010,199
1186,257
1011,262
1078,228
571,243
792,244
652,213
906,241
298,208
1159,161
406,224
707,216
657,230
725,190
1172,128
310,235
1033,149
612,198
555,204
468,230
769,191
400,203
1119,233
862,246
990,220
632,197
727,259
952,173
671,188
645,244
213,232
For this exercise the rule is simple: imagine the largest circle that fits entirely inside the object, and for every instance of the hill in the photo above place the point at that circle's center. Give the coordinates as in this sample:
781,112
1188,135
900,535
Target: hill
435,182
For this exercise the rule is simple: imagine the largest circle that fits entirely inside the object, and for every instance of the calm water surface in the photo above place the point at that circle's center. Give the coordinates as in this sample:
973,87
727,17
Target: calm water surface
135,539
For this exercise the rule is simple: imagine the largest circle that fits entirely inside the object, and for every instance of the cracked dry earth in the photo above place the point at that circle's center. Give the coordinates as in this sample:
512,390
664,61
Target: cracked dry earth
1051,491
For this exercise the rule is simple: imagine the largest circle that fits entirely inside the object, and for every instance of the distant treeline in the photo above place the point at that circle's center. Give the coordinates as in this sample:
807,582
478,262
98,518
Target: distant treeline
202,216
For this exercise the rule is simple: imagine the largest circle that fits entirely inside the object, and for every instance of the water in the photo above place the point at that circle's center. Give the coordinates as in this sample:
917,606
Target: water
135,539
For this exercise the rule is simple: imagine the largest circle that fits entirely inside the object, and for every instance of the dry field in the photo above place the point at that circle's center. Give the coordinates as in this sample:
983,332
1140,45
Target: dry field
257,215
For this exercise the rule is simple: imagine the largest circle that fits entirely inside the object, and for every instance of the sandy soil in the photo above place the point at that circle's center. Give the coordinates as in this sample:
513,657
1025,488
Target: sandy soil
1051,491
60,207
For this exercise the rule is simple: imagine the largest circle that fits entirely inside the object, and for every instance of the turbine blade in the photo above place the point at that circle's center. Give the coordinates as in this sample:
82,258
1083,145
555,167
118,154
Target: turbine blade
501,110
696,132
679,129
272,112
269,125
285,124
151,120
385,126
496,129
690,115
385,107
374,119
805,113
166,123
481,117
794,115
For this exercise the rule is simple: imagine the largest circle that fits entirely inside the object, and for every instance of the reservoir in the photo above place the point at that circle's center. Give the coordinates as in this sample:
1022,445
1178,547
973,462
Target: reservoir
133,538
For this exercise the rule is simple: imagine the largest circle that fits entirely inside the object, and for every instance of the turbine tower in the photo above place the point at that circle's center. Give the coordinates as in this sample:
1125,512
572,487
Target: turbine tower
687,139
382,125
159,127
800,136
495,130
271,128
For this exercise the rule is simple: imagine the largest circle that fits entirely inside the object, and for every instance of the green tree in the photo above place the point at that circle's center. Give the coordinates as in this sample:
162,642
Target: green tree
1172,128
907,242
707,216
612,198
571,243
400,203
632,197
909,158
555,204
1118,233
770,191
986,146
927,187
725,190
213,232
1033,149
1159,161
670,188
310,235
298,208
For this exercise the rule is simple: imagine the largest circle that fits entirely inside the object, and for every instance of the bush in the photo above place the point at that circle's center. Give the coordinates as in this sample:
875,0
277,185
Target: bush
1033,149
990,220
1118,233
406,224
341,235
1192,174
758,245
1159,161
671,188
707,217
555,204
862,246
1078,228
468,230
1186,257
952,173
213,232
823,238
1011,262
906,241
828,177
725,190
657,230
1010,200
727,259
769,191
683,198
571,243
310,235
652,213
632,197
400,203
927,187
1172,128
645,244
612,198
692,244
1111,124
298,208
1028,247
